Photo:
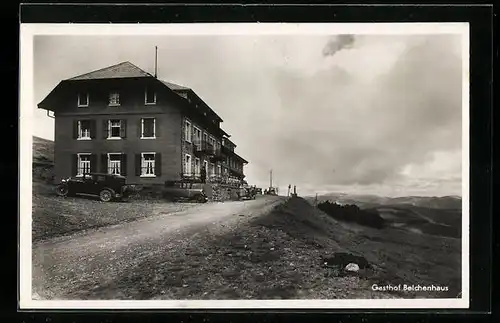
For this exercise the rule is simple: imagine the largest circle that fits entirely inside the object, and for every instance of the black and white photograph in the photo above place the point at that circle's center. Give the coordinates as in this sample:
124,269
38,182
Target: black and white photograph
244,165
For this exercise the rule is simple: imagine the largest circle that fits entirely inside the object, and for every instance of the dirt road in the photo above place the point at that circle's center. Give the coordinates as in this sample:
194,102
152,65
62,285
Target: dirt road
70,267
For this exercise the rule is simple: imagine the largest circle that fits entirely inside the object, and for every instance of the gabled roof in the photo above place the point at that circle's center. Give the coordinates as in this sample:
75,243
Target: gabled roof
240,158
121,70
175,87
129,70
226,138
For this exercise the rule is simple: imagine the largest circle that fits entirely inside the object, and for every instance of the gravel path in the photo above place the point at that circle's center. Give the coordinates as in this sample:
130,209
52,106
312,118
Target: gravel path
70,267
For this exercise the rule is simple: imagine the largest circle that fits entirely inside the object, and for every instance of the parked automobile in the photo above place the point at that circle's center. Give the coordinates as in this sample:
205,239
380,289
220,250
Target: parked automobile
271,191
184,190
107,187
247,192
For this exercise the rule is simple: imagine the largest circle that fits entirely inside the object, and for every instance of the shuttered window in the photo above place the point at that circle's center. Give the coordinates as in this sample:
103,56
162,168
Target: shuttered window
148,164
115,129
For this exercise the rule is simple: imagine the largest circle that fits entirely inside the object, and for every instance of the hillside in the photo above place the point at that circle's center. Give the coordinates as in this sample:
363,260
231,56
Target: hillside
287,254
398,256
43,150
439,222
439,216
370,201
43,161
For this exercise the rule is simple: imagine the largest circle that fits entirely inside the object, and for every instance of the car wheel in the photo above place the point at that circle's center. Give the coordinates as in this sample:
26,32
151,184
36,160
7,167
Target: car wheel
62,190
201,199
105,195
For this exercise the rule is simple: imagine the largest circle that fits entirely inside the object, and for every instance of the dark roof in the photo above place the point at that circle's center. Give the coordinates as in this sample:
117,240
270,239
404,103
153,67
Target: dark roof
129,70
225,134
121,70
229,140
175,87
241,158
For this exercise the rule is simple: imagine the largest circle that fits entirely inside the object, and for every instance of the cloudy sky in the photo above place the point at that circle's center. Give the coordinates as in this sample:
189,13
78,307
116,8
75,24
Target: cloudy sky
376,114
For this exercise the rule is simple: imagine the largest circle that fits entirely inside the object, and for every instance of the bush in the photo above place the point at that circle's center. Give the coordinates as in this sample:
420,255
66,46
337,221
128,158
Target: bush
352,213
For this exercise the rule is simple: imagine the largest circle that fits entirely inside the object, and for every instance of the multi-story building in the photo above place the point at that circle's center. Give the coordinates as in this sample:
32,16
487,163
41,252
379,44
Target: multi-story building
123,120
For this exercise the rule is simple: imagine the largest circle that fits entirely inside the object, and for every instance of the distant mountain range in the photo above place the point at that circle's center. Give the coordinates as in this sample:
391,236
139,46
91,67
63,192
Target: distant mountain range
369,201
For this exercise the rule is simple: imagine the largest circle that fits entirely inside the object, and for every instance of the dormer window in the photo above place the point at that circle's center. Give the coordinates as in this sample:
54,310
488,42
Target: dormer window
83,100
150,96
114,98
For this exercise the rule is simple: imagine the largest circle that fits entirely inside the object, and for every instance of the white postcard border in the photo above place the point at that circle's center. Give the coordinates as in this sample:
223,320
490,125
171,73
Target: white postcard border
26,122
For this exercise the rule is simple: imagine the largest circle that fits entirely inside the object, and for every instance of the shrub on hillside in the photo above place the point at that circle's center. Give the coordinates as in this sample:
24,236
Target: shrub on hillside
352,213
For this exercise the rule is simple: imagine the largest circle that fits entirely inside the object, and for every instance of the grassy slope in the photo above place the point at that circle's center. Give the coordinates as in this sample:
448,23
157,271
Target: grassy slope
400,256
440,222
55,216
43,149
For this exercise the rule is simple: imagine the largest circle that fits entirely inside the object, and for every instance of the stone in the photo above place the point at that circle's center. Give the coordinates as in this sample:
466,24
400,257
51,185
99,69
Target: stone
352,267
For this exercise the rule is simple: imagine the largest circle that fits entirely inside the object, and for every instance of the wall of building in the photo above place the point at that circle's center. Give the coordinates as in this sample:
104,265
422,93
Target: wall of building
170,140
189,147
167,142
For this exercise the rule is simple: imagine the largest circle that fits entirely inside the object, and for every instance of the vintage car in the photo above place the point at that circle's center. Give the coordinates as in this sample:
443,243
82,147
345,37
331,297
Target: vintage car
247,192
107,187
184,191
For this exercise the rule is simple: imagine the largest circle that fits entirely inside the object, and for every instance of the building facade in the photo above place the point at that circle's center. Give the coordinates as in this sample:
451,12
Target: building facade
123,120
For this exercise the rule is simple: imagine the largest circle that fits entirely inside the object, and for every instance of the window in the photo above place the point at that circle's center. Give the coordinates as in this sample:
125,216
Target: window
150,96
212,142
205,164
187,165
84,130
188,131
197,166
114,129
148,164
212,169
197,135
83,100
114,164
114,98
219,170
148,128
205,137
83,166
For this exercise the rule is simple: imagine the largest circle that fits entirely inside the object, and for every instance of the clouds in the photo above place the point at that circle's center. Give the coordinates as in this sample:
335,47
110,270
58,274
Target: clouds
337,43
369,132
324,112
